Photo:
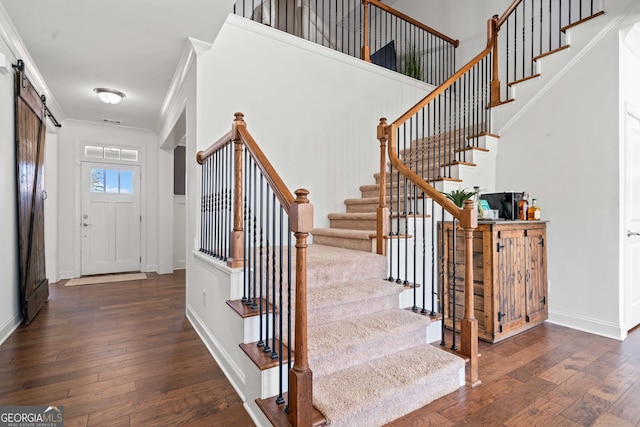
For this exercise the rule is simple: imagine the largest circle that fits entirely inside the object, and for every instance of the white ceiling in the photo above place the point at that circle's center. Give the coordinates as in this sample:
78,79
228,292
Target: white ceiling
133,46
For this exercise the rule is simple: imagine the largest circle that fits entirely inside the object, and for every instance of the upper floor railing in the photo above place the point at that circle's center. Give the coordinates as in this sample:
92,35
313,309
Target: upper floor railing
368,29
248,217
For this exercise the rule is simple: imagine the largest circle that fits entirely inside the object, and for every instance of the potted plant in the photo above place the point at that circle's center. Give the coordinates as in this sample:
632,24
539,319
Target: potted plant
413,64
459,196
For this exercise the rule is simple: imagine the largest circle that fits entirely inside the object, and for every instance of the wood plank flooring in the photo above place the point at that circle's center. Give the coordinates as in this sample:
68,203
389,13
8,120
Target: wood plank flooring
547,376
118,354
123,354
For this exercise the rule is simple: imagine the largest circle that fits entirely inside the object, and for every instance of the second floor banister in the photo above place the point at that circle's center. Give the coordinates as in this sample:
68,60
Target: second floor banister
367,29
248,216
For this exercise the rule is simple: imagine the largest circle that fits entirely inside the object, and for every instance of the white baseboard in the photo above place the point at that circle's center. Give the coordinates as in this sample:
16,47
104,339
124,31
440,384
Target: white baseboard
151,268
69,274
587,324
222,358
9,326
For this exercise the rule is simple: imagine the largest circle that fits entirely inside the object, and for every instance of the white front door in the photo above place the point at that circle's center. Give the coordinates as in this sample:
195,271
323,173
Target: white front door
110,218
631,293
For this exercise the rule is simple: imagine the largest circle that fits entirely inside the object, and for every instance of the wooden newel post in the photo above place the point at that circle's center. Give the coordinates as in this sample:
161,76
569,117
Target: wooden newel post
382,217
469,324
300,376
366,53
492,31
236,236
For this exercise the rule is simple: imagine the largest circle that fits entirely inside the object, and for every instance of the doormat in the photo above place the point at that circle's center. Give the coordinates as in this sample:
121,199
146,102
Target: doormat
92,280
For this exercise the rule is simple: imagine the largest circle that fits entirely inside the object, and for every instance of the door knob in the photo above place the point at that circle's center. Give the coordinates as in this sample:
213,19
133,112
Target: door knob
85,224
632,233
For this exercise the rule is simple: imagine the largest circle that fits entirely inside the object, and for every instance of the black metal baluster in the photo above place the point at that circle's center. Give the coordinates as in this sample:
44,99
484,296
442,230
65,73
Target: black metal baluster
453,285
202,192
275,245
289,281
405,211
433,259
254,233
215,224
280,311
268,268
246,219
443,288
260,269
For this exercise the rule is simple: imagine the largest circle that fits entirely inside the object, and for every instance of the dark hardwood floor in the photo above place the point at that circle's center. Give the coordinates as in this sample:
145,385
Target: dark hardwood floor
118,354
547,376
123,354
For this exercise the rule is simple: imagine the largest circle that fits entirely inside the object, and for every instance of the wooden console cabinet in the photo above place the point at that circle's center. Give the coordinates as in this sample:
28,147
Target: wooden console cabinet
509,274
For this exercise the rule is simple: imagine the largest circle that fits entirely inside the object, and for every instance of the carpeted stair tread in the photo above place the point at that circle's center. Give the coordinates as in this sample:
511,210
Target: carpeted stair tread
346,300
346,238
344,233
358,340
329,265
387,388
357,215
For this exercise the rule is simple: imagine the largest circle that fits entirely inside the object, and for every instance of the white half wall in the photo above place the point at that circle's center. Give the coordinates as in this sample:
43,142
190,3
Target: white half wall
312,110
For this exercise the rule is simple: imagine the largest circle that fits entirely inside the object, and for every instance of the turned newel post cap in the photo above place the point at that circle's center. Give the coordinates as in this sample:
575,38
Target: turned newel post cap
301,213
301,194
239,117
470,215
382,128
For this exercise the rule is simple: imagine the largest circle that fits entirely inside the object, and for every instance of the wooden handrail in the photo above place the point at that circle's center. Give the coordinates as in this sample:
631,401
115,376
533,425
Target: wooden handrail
451,80
201,156
507,13
409,19
285,197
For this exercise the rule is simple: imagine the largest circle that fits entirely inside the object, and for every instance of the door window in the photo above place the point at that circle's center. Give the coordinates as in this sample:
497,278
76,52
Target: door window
111,181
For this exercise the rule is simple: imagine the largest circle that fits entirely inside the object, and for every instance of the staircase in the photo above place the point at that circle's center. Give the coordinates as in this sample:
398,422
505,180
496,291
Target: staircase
371,358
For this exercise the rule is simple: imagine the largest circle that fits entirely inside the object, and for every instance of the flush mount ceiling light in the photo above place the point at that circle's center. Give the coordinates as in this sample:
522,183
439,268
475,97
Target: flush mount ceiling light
109,96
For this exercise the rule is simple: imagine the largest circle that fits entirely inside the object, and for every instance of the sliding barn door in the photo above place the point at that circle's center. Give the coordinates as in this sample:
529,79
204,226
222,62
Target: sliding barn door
30,134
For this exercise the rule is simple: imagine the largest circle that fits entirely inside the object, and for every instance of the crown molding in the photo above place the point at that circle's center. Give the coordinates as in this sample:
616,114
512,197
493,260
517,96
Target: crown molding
193,48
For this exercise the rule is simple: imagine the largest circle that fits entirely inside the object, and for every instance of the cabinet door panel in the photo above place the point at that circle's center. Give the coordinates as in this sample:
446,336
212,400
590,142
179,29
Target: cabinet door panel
510,281
536,277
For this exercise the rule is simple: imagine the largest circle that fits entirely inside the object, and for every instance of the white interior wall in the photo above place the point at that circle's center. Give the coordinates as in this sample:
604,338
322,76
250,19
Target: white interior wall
565,152
73,134
629,102
313,111
51,203
10,316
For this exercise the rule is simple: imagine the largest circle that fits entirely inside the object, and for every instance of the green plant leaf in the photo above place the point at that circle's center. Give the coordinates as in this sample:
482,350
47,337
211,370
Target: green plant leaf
459,196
